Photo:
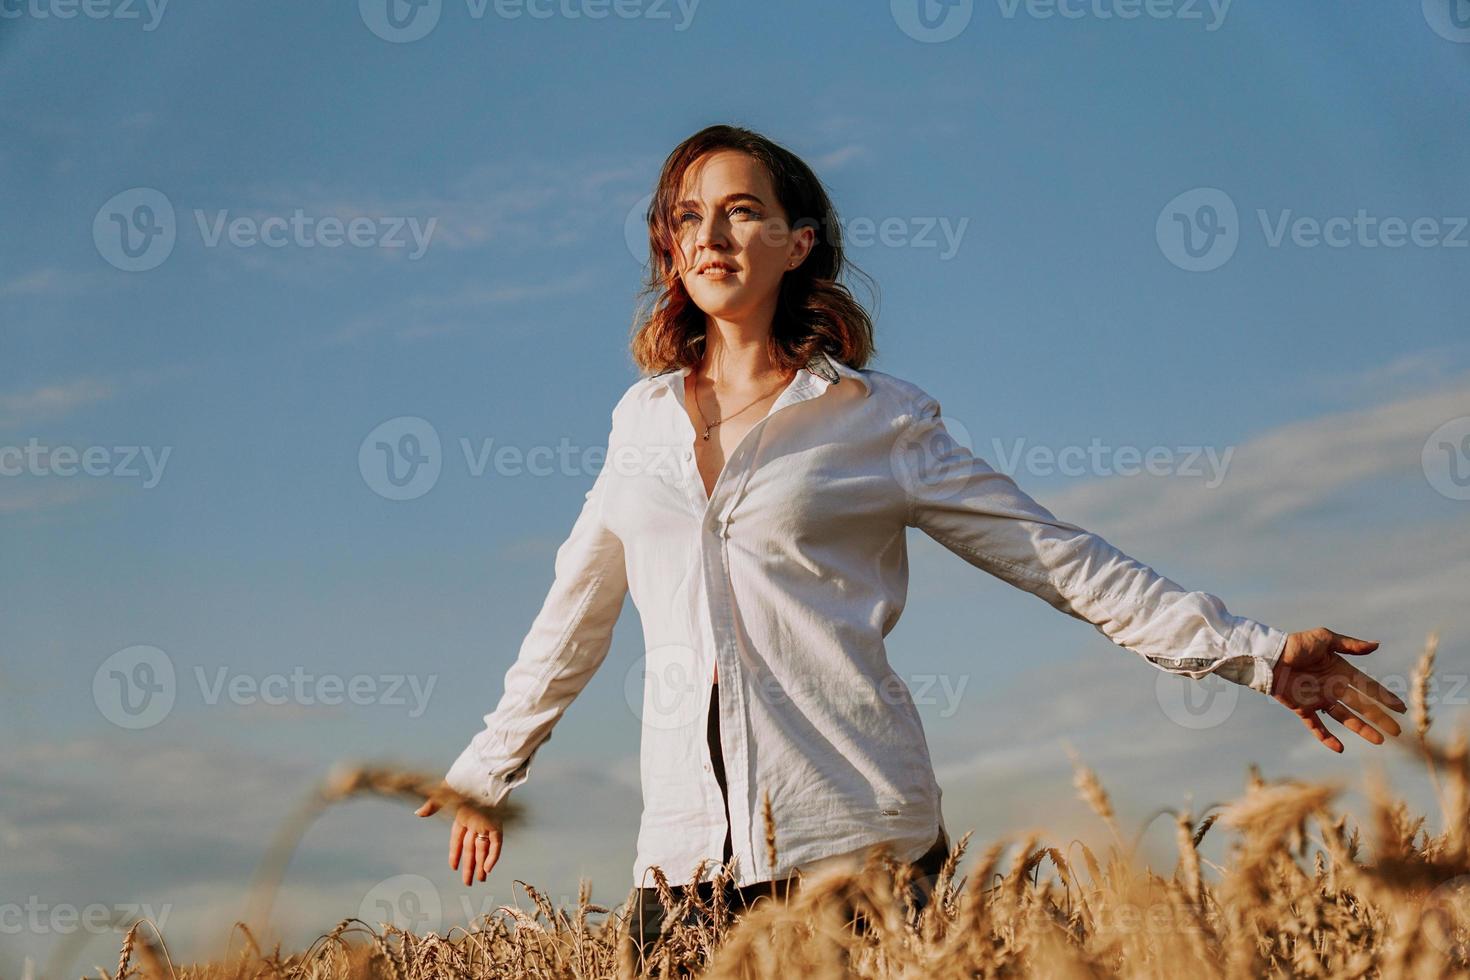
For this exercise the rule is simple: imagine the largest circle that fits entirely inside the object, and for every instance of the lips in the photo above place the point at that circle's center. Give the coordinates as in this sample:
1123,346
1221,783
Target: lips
715,270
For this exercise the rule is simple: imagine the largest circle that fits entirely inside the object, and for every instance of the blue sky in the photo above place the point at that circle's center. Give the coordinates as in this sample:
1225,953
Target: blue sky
1065,156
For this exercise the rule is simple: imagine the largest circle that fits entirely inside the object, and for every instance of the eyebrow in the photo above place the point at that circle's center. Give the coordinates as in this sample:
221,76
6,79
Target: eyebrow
737,196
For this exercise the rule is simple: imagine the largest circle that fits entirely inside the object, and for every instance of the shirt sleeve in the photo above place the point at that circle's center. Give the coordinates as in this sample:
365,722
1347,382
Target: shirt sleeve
984,517
566,644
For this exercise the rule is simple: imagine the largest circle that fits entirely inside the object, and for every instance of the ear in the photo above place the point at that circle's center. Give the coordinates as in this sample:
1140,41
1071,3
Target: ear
803,240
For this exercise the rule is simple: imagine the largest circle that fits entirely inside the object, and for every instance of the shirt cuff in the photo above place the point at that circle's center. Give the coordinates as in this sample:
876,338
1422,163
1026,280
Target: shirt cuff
1253,651
469,776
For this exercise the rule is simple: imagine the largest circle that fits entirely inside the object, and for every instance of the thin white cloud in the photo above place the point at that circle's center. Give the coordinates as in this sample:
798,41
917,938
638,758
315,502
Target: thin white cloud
53,401
48,282
836,158
1278,474
477,305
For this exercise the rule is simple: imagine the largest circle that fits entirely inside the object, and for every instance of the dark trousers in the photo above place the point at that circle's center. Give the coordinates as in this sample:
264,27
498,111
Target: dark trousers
648,914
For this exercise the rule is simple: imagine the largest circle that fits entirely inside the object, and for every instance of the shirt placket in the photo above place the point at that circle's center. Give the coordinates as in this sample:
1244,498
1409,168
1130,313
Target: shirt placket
714,534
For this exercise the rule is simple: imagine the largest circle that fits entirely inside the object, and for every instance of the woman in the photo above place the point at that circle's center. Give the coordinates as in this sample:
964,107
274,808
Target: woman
755,500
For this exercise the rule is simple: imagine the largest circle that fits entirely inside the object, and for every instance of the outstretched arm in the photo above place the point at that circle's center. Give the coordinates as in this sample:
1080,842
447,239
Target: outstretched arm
984,517
566,644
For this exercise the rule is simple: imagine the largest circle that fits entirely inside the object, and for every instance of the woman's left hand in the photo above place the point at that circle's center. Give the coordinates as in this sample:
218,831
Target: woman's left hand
1312,676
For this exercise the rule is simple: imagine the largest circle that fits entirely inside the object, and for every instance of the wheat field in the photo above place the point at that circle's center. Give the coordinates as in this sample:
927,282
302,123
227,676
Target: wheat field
1301,894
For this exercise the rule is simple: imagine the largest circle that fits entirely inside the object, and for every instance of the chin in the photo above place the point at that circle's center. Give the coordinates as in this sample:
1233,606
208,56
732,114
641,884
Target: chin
717,304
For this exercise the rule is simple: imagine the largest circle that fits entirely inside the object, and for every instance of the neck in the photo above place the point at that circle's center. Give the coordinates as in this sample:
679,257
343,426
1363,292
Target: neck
737,358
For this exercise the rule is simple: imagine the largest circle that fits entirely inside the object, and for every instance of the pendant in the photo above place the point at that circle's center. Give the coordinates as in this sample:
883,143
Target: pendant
706,432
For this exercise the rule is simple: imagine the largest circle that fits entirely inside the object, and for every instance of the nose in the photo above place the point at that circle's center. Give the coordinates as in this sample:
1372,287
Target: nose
711,232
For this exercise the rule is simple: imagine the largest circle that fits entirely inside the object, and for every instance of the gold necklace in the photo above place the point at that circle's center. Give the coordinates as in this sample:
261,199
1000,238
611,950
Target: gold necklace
710,425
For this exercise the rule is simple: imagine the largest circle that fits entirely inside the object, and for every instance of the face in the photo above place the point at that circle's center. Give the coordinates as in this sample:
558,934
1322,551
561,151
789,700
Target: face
727,212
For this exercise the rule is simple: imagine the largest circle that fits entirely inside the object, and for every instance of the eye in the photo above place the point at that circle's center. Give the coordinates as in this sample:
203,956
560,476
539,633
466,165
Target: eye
682,216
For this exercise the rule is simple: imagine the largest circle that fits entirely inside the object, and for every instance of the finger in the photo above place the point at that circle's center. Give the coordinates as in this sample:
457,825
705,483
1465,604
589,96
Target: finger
1369,709
472,867
1347,644
1354,723
456,843
1374,689
492,855
1315,726
429,808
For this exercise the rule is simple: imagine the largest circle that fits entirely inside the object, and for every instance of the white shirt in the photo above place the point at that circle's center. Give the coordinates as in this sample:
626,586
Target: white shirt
788,578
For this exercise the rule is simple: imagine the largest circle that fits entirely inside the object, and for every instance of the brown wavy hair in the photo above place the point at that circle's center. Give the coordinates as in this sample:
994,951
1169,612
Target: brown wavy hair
813,311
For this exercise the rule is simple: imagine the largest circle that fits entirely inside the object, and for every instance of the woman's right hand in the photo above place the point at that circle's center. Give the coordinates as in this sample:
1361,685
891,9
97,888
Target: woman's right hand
470,854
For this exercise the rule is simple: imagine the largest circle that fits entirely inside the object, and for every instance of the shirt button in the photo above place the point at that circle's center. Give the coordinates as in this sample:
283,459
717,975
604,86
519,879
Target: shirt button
706,767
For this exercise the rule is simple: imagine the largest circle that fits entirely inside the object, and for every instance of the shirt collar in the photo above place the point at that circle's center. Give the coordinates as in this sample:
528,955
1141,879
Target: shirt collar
820,369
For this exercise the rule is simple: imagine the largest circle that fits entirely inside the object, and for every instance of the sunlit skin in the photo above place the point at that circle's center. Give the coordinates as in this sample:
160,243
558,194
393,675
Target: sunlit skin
727,211
1313,676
